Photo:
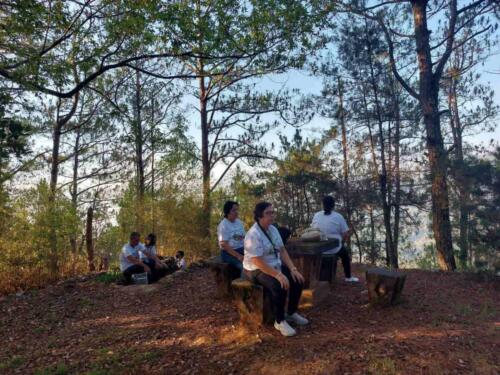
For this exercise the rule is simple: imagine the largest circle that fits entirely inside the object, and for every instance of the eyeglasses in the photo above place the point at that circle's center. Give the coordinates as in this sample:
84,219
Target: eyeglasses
270,213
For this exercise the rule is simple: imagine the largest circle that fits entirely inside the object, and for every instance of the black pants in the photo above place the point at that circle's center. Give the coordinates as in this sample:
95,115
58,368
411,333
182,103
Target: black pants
131,271
278,294
155,274
326,263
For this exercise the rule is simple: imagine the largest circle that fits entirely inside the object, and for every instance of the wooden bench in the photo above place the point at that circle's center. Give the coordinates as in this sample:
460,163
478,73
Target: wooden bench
224,274
253,302
384,286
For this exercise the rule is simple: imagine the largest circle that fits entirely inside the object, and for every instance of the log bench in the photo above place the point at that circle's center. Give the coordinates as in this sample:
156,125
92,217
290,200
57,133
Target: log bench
253,302
384,286
224,274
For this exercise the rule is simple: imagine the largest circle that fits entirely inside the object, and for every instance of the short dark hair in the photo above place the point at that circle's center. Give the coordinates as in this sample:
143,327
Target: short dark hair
180,253
259,210
328,204
228,206
152,239
135,235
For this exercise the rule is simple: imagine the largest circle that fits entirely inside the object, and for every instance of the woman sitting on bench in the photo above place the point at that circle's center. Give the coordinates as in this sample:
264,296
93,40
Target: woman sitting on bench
231,233
266,262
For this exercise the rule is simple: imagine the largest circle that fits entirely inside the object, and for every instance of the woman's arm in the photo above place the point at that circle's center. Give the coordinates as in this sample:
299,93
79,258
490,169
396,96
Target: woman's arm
268,270
138,262
297,276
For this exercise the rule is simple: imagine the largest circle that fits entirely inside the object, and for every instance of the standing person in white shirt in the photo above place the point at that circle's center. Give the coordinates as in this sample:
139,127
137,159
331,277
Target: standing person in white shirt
333,225
231,234
266,262
130,258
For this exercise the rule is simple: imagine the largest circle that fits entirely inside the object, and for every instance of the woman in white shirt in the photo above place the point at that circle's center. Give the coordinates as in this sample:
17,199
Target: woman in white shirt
231,234
266,262
150,257
333,225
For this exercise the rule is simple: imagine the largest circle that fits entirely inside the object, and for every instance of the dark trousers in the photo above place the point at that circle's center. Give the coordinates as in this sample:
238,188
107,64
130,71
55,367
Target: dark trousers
228,258
155,274
326,262
132,270
278,294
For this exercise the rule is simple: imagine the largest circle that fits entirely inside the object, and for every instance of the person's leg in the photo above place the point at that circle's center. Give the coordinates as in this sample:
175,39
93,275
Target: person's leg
130,271
294,292
278,294
154,275
346,261
326,268
232,260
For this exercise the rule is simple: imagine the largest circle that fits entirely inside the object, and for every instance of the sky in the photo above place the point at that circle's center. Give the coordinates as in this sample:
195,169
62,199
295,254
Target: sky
312,85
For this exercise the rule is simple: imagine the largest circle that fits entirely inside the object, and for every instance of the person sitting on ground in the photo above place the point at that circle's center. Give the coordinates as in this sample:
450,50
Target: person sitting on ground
231,234
150,257
180,261
267,262
130,258
333,225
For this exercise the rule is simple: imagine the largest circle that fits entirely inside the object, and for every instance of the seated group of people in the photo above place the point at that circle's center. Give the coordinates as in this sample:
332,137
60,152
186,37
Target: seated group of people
262,257
136,258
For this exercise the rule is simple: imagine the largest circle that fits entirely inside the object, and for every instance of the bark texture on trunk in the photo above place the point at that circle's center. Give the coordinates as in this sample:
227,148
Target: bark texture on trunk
89,240
437,157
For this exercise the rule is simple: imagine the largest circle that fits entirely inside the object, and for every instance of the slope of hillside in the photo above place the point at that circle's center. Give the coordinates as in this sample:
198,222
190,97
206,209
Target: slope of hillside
447,324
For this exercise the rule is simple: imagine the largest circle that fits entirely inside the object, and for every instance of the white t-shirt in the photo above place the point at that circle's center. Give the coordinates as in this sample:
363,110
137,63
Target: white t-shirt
148,250
258,245
181,263
333,226
232,232
127,250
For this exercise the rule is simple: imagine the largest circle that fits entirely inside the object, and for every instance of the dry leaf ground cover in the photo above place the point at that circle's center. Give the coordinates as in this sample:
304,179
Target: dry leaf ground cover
447,324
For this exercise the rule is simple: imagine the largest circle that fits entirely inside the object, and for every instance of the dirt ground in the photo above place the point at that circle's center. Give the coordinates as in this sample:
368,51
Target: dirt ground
446,324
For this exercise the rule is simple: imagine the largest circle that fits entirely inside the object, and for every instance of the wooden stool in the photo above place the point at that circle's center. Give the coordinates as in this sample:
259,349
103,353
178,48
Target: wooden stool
254,303
224,274
384,286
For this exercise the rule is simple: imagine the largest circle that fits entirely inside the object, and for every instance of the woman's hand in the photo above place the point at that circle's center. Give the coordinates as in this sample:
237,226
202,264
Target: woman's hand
297,276
283,280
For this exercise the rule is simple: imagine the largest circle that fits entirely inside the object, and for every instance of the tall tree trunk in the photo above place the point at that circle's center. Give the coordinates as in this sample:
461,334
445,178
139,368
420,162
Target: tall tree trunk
429,91
76,164
54,173
153,181
392,256
205,158
89,240
373,251
459,171
74,195
61,121
345,159
376,174
139,153
397,173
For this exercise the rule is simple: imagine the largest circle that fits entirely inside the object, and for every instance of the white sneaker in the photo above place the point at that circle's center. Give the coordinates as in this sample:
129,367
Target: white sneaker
285,328
352,279
297,319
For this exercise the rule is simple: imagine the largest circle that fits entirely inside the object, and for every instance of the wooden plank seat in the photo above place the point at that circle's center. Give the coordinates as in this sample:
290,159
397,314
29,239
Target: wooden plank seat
224,274
253,302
